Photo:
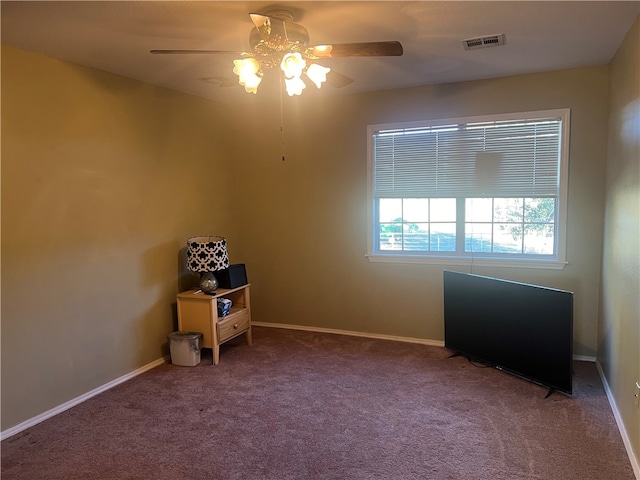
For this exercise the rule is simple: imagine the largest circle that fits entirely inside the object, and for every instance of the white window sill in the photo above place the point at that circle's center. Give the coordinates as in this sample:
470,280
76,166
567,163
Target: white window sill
468,261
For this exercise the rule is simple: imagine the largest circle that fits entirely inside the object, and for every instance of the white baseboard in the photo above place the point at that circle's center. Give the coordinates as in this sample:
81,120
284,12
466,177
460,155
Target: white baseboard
72,403
437,343
422,341
584,358
623,431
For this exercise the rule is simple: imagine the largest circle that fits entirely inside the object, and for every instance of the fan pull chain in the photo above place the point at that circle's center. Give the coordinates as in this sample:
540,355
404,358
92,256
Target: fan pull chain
282,120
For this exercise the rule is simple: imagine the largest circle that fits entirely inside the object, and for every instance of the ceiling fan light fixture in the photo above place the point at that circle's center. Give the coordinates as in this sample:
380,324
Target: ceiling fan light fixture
276,41
292,65
246,66
251,83
317,74
249,73
321,50
294,86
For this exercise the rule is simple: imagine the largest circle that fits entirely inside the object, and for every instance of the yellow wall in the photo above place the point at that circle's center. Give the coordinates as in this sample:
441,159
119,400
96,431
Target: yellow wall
619,326
103,180
304,236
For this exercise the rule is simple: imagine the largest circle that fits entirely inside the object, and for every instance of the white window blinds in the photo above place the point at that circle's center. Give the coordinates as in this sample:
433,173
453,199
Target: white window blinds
500,158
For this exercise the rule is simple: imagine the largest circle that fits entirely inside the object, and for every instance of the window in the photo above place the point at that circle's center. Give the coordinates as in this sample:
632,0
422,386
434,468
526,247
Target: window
491,190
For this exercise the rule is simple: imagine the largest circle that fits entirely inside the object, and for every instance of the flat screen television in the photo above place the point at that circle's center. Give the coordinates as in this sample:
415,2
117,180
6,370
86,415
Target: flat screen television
523,329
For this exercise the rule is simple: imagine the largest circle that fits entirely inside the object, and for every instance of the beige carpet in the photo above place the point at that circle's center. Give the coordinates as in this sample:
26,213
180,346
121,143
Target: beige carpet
300,405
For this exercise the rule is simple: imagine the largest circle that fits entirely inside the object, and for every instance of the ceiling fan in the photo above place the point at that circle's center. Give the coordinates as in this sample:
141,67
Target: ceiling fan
276,41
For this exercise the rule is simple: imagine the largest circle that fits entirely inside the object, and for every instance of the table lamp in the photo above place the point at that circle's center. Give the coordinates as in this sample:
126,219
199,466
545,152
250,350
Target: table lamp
206,255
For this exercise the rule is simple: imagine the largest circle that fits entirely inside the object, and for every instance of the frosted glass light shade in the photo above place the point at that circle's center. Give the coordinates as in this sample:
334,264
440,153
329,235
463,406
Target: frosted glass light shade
294,86
249,74
317,74
292,65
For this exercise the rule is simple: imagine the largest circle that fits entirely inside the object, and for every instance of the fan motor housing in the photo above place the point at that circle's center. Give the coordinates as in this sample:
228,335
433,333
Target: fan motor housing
295,33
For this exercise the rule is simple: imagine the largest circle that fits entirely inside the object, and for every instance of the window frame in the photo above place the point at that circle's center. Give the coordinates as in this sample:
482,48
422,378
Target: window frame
557,261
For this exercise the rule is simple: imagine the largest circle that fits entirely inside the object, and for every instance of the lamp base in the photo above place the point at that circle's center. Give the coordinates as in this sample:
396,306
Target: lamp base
208,282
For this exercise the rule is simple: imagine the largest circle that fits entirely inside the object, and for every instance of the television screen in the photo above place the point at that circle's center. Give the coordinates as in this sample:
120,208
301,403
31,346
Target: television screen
523,329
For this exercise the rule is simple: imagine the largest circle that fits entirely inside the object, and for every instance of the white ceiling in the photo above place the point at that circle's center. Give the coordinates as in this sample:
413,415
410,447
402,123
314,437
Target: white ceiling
116,36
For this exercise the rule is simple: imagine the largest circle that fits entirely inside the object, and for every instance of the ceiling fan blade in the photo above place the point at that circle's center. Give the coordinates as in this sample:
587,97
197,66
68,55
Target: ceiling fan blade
271,29
196,52
338,80
222,81
365,49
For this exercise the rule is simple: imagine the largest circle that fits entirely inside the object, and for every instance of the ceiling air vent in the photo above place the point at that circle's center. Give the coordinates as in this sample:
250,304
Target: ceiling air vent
483,42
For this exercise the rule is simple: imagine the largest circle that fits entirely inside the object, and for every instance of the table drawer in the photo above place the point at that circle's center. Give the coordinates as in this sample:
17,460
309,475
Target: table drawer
233,325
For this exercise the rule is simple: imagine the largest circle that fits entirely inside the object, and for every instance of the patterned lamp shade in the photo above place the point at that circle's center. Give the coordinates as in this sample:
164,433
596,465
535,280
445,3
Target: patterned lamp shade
207,254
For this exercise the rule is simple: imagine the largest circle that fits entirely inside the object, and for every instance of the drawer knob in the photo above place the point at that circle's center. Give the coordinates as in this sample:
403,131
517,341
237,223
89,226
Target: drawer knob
235,327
